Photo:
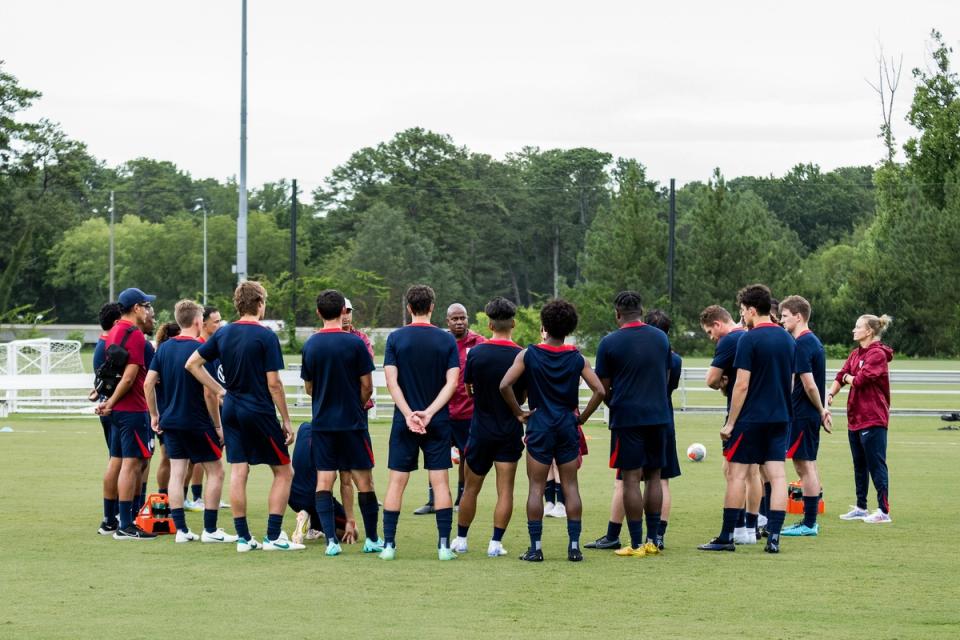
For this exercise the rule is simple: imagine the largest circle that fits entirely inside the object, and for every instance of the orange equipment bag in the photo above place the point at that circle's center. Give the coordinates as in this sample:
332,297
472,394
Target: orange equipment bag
154,516
795,499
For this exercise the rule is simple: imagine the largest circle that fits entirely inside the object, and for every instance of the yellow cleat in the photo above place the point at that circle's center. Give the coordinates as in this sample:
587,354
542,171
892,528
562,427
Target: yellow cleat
639,552
650,549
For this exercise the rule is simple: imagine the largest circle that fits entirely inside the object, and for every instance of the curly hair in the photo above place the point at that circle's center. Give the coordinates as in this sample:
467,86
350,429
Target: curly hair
109,314
559,318
756,296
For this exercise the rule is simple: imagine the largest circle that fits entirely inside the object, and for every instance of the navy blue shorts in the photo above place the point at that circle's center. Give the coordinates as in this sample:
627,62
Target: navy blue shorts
481,453
638,447
341,450
804,439
562,445
757,442
253,438
132,436
113,446
671,462
405,447
195,445
460,430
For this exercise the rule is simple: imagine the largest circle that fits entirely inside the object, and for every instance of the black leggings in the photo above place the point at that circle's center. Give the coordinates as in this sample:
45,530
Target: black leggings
869,449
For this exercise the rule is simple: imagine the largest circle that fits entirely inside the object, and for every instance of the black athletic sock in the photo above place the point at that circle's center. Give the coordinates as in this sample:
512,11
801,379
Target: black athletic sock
775,524
498,534
197,491
324,501
635,527
535,529
752,519
462,530
613,530
210,520
179,519
275,524
550,493
240,526
162,490
663,528
741,518
390,520
574,528
653,525
729,524
430,494
111,507
765,501
560,498
369,512
444,524
810,506
126,513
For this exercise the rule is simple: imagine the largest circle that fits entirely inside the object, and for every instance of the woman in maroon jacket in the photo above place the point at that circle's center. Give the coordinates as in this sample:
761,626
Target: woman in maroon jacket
868,414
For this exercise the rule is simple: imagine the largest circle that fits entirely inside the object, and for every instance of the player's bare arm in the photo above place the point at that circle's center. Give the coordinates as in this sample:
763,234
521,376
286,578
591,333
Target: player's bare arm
150,393
393,386
599,392
280,401
736,403
510,378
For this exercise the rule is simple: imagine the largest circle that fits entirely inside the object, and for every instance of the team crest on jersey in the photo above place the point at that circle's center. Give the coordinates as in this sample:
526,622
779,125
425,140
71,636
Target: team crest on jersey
220,378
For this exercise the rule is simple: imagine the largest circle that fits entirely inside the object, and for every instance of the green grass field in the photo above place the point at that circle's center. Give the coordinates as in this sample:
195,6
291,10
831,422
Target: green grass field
58,579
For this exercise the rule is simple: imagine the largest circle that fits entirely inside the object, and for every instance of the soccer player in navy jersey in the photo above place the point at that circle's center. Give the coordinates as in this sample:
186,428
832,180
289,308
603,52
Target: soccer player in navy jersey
551,372
336,371
109,315
496,436
421,367
633,364
252,360
127,408
760,410
303,493
190,420
809,410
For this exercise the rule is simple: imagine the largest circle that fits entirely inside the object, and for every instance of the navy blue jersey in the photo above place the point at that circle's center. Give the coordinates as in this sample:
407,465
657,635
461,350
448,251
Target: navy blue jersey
486,365
676,369
552,377
183,404
100,351
810,358
303,489
724,356
247,352
767,352
334,361
422,354
148,352
636,359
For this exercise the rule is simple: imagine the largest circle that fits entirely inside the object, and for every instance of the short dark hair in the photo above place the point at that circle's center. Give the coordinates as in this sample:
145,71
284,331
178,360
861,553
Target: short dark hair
628,304
109,314
420,297
756,296
500,312
166,331
559,318
775,309
208,311
659,319
330,304
798,306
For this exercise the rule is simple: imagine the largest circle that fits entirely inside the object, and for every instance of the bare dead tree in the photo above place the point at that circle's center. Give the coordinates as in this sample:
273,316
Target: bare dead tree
886,88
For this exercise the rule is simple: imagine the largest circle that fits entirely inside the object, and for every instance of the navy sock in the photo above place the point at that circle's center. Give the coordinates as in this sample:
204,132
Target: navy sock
765,501
535,529
459,491
550,492
390,519
462,530
110,507
653,525
369,512
162,490
635,527
560,499
430,494
444,524
240,526
662,530
126,513
729,524
197,491
498,534
741,518
324,502
752,519
274,523
179,519
210,520
573,533
810,506
613,530
775,524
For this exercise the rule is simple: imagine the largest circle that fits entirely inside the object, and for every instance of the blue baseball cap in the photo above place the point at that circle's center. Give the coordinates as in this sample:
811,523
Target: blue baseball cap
133,296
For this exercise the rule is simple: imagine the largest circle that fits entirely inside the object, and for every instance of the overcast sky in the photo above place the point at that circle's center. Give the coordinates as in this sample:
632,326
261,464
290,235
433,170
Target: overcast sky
751,87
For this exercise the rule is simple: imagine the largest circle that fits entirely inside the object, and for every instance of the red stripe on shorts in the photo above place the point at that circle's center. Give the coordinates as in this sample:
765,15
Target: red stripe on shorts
616,452
728,454
213,445
143,448
284,458
796,445
366,446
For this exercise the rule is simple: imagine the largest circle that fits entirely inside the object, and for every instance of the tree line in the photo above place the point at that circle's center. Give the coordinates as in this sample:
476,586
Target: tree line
538,223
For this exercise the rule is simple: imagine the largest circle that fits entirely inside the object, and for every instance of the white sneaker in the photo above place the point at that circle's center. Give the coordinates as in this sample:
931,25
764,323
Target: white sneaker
300,529
878,517
548,509
855,513
744,535
559,511
247,545
314,534
224,505
217,536
186,536
193,505
281,544
761,520
459,545
495,549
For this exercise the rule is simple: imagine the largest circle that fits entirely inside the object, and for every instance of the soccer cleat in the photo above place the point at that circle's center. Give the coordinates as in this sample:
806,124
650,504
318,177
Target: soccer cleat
218,536
718,545
193,505
800,529
548,509
314,534
224,505
604,543
772,546
659,543
559,511
878,517
532,555
495,549
855,513
459,545
651,548
426,509
333,549
281,544
444,553
388,553
574,554
133,532
634,552
186,536
762,532
244,545
372,546
300,528
744,536
108,527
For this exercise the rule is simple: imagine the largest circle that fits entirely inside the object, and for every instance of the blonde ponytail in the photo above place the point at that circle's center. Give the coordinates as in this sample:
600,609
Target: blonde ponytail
878,326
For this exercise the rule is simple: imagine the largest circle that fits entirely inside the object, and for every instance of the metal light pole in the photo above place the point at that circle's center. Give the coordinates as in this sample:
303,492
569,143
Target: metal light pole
112,291
242,212
199,202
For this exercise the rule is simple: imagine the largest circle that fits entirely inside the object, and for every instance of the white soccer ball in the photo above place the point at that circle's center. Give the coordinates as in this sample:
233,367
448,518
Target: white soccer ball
696,452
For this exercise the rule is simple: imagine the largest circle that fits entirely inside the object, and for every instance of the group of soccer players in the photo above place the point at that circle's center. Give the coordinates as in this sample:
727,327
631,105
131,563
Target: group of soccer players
210,392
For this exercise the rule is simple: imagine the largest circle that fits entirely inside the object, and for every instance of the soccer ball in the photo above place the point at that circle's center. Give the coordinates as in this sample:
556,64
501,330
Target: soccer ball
696,452
454,455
